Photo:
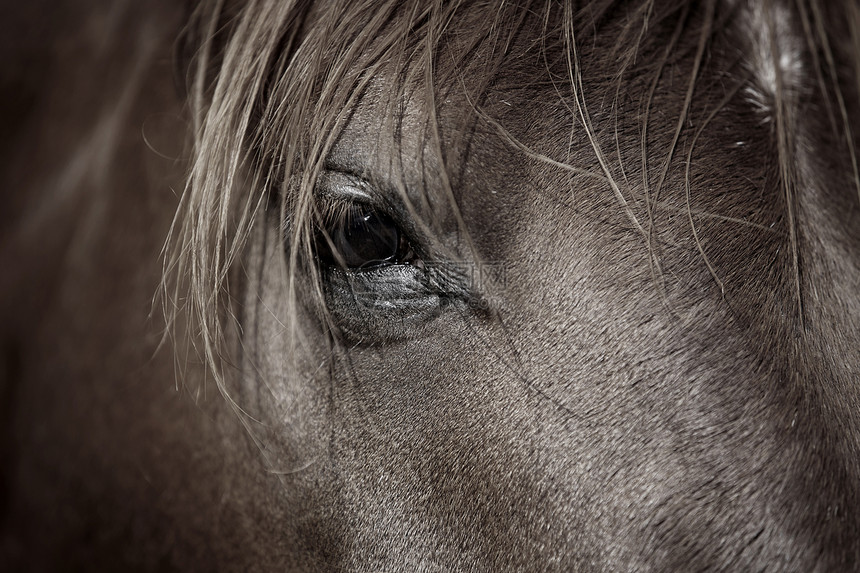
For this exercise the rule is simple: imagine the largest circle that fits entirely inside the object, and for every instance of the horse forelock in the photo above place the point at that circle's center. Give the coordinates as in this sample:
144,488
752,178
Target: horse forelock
290,74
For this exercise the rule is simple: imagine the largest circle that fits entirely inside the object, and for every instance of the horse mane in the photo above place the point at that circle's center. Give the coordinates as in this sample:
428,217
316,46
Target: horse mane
271,85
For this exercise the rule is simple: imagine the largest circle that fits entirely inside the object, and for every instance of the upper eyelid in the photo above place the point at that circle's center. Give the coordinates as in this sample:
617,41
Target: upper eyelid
378,193
336,184
351,187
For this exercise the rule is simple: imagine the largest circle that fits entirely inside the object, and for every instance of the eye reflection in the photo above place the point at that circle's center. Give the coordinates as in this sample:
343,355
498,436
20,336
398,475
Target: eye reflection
360,237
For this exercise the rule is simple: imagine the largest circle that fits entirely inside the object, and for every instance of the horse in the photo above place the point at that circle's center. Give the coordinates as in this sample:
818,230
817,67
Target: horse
431,285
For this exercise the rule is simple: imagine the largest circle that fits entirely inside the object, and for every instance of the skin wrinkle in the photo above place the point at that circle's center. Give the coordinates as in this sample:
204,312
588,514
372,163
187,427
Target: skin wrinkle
600,363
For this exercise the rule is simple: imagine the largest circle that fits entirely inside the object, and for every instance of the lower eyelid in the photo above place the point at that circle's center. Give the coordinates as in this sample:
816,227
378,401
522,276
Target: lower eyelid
396,286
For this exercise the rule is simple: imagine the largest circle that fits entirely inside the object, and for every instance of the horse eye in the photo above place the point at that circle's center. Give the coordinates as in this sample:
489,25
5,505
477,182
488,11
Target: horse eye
362,238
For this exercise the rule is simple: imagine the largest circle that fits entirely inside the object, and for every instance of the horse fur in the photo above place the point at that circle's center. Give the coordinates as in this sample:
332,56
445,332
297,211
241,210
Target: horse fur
627,337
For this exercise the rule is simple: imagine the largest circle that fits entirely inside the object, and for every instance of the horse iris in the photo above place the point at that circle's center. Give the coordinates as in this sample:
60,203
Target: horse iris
363,238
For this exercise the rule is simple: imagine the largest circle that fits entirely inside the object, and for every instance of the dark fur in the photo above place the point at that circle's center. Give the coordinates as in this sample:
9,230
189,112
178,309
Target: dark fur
655,366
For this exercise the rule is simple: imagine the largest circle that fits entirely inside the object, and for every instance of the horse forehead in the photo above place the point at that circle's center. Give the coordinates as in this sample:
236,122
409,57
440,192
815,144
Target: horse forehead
403,146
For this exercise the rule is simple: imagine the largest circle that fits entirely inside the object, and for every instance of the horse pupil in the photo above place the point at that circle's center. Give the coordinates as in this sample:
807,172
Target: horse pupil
366,239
